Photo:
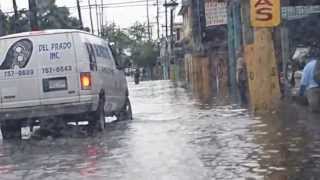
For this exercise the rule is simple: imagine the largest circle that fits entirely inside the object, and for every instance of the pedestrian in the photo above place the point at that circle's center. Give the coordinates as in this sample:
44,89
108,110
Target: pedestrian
137,76
309,86
242,80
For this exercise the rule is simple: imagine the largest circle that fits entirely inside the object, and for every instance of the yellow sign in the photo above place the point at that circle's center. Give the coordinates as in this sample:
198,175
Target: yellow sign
265,13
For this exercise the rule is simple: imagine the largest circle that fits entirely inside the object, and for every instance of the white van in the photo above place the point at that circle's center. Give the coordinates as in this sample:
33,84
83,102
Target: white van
59,73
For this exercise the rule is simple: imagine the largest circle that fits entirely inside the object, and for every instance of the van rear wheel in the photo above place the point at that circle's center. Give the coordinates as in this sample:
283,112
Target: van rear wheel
97,119
11,130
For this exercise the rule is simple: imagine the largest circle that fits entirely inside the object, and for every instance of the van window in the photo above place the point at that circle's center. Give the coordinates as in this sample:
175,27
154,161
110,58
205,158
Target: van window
92,57
96,51
113,57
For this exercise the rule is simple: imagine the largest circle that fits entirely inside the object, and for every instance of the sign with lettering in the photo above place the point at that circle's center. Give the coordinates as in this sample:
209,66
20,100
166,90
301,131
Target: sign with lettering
297,12
54,50
265,13
216,13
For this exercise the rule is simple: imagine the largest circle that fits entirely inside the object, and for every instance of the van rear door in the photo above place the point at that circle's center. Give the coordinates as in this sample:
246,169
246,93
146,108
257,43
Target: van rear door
19,75
58,69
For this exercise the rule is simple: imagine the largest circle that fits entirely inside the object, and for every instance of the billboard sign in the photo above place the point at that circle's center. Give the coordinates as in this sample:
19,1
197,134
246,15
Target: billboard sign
216,13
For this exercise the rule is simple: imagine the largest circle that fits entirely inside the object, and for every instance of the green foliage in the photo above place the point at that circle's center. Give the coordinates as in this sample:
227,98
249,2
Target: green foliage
145,54
138,32
118,38
57,18
131,44
3,23
50,16
21,24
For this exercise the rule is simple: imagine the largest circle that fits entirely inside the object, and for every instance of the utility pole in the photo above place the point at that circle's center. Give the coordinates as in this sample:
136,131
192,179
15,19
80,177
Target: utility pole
33,15
158,25
97,14
166,14
102,18
171,28
79,13
15,9
148,21
90,10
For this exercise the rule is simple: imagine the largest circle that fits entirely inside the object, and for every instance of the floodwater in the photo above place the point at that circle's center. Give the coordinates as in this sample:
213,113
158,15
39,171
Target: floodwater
175,137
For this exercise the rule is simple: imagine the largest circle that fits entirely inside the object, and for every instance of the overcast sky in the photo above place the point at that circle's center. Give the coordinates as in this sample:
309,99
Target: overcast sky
123,16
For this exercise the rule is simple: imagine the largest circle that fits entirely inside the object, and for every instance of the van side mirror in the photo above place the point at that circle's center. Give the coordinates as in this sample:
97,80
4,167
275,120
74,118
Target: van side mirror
120,67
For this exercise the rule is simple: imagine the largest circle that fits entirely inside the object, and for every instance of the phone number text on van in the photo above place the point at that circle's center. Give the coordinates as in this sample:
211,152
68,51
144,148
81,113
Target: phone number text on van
19,73
59,69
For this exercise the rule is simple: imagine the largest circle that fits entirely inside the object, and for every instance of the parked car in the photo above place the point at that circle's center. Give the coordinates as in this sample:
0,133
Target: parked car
59,73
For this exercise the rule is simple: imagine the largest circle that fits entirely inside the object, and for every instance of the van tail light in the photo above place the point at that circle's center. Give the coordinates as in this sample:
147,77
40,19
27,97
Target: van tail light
85,78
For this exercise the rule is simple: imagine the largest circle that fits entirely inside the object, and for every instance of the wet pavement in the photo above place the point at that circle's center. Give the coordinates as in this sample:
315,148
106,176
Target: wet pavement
175,137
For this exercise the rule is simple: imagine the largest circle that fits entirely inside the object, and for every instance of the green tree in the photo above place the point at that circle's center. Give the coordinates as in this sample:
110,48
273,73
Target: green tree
138,32
53,17
145,54
132,44
50,16
119,41
20,23
3,24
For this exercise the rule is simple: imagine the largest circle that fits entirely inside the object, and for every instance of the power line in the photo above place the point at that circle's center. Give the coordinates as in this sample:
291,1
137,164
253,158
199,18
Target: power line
108,6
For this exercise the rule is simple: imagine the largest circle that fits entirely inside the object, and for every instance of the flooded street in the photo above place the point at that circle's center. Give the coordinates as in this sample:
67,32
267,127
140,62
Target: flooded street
175,137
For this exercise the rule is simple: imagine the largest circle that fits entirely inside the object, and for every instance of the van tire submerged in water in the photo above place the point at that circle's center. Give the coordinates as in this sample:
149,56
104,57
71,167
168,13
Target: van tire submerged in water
11,130
97,119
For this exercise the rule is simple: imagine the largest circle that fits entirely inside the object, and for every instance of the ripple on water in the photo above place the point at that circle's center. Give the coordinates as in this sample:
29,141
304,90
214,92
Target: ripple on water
273,168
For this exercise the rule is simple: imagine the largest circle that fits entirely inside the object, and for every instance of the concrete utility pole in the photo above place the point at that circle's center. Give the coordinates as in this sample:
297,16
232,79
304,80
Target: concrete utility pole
148,21
261,65
15,9
79,14
171,28
102,18
158,25
90,12
166,14
97,14
33,15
